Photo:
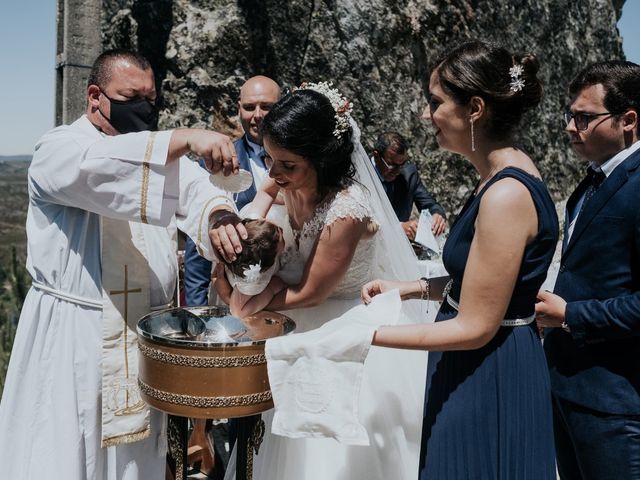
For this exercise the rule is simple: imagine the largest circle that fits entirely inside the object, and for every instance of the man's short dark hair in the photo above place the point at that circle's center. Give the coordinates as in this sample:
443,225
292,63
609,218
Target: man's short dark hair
103,66
391,139
621,82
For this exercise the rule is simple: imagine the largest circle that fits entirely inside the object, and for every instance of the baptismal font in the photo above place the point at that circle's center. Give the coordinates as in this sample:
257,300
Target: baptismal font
203,362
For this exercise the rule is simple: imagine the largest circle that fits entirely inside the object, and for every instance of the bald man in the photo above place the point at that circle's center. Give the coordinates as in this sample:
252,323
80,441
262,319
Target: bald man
257,96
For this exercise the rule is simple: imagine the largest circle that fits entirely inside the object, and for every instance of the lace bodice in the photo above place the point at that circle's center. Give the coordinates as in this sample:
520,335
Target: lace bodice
350,202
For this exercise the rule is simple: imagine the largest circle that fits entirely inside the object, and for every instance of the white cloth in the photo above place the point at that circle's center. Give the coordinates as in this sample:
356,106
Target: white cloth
424,234
51,406
392,392
315,377
253,282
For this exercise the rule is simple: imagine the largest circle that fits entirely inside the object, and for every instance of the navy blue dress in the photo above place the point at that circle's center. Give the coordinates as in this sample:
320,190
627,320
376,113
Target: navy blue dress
487,412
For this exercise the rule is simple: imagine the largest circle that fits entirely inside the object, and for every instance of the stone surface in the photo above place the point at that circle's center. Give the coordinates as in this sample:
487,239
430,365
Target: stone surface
77,46
378,52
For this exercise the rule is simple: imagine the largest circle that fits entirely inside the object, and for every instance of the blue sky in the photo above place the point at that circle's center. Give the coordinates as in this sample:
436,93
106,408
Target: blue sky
27,56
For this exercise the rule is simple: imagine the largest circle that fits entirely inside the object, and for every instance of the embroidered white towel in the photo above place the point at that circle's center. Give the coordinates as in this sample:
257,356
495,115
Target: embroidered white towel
315,376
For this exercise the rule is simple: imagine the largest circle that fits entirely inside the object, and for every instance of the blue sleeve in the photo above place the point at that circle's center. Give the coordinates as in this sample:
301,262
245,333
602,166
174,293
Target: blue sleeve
421,196
197,276
614,318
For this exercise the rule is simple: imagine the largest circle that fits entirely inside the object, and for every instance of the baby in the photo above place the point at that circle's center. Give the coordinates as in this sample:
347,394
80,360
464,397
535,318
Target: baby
251,273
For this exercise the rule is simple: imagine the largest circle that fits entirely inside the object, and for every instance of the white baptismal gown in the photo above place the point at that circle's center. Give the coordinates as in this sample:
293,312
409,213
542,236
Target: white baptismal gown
393,383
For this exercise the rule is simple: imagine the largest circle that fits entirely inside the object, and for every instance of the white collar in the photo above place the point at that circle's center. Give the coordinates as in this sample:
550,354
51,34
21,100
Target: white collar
253,146
85,124
610,165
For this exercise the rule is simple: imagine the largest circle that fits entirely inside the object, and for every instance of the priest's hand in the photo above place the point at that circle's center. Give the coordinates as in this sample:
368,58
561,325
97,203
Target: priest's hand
225,232
215,149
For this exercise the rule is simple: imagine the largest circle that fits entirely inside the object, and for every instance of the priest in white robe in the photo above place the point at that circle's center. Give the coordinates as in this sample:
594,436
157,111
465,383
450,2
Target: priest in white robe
101,226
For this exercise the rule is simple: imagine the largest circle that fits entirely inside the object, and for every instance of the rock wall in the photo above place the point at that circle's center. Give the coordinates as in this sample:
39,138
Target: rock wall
378,52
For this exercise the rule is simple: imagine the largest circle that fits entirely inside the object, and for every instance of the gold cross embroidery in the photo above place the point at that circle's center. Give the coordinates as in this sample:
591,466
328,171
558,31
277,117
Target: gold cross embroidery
126,291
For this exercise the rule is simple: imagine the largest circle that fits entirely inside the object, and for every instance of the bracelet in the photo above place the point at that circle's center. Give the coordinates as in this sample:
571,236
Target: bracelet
447,288
425,293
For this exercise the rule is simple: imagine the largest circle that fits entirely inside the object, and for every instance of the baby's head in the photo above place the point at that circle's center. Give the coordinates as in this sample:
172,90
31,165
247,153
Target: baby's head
262,246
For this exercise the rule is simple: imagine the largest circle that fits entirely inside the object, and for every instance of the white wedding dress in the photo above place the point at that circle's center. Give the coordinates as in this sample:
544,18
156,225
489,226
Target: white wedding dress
391,398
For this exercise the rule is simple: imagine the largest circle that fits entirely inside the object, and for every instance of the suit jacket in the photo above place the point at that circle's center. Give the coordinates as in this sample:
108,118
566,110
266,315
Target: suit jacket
197,269
597,365
408,189
243,150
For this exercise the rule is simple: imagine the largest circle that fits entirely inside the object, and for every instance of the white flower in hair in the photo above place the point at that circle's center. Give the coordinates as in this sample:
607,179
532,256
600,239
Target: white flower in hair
252,273
516,70
517,82
340,104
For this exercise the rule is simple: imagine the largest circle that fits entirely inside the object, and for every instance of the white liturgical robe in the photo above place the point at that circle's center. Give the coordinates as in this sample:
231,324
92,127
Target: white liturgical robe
51,414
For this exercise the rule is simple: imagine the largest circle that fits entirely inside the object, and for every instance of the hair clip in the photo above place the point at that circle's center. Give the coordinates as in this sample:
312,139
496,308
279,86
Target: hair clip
252,273
517,82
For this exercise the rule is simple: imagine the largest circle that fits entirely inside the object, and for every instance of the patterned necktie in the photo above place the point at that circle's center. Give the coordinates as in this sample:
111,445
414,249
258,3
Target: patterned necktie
596,179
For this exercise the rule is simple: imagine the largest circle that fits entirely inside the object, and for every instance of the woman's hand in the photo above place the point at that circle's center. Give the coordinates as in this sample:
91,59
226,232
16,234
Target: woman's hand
376,287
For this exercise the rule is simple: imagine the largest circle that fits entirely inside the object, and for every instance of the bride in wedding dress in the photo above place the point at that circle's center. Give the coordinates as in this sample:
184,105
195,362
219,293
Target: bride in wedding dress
340,231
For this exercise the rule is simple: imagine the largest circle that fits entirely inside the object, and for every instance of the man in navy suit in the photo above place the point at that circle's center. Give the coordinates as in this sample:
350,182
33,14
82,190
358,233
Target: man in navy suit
257,95
402,182
592,339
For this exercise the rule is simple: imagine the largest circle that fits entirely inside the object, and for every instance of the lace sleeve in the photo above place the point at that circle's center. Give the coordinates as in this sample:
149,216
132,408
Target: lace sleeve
351,202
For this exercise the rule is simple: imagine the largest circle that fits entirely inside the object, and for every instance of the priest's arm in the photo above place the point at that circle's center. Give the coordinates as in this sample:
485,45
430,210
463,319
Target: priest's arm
137,177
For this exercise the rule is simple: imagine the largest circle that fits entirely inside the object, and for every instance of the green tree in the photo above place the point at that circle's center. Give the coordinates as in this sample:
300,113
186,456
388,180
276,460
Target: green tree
13,289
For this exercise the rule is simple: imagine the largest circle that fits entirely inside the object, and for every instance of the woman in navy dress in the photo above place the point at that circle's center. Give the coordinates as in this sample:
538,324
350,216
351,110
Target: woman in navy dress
487,408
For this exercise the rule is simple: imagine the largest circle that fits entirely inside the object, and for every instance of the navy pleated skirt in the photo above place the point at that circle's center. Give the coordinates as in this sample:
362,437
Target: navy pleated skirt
487,412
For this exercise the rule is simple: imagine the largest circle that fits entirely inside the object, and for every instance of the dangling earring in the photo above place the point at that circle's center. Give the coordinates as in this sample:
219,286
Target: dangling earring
473,140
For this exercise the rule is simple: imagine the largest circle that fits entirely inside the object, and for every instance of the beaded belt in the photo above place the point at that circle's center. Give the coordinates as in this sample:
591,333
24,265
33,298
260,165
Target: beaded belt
507,322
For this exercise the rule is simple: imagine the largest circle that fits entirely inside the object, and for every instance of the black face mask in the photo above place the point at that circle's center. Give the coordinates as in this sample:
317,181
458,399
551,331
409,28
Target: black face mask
135,115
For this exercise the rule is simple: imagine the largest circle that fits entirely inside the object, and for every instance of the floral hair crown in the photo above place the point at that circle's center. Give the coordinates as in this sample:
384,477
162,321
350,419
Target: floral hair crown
517,82
340,104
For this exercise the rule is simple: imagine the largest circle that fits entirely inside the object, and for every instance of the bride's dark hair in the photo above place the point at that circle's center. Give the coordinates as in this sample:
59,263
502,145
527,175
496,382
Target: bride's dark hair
303,122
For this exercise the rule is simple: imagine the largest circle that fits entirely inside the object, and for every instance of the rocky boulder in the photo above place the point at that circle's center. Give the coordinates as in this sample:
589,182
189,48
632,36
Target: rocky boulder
378,52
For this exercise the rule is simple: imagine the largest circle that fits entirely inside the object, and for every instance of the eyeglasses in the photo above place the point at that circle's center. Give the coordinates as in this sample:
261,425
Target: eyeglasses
582,119
393,166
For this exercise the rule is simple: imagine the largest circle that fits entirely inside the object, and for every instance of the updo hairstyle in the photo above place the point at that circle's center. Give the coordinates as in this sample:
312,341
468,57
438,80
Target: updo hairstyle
482,69
303,123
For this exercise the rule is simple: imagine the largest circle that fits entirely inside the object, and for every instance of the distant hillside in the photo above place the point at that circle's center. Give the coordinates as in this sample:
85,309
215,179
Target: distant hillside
15,158
13,202
14,280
